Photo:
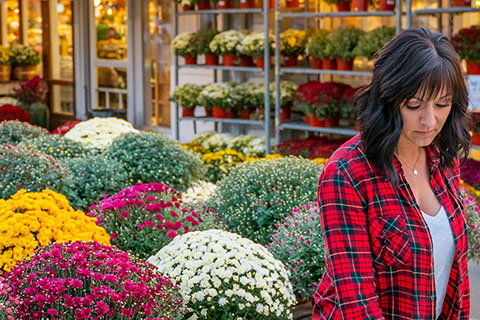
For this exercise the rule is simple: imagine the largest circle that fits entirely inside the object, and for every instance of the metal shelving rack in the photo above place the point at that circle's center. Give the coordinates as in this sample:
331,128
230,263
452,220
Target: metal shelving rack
279,70
266,71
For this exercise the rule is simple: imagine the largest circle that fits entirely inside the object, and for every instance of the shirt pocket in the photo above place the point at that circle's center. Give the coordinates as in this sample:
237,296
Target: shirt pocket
390,241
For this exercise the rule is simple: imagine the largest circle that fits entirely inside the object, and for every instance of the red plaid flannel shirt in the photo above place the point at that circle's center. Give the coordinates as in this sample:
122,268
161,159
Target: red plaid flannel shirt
379,256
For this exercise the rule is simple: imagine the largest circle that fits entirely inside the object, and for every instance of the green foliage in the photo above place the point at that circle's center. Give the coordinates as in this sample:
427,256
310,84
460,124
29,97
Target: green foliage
182,45
186,95
317,44
13,132
152,157
373,41
24,56
93,176
298,243
27,168
341,42
202,39
256,195
57,146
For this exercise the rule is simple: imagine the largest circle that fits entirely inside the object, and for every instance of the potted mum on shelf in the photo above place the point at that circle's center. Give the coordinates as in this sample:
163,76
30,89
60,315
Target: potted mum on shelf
372,41
342,5
287,88
467,44
183,46
225,44
186,95
5,64
292,44
201,41
245,94
254,46
340,45
217,96
24,60
187,5
316,48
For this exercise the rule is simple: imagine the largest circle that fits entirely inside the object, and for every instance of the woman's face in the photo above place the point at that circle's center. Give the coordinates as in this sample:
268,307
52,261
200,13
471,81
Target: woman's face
423,120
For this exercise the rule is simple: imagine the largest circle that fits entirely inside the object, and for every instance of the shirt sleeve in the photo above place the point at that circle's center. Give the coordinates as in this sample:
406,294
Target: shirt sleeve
348,251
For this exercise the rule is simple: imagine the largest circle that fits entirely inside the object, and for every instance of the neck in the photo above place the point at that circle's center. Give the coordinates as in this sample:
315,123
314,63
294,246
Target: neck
408,151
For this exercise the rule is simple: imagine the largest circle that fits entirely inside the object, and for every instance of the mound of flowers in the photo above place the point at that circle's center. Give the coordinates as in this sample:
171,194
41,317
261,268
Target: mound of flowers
99,132
87,281
146,217
298,243
220,163
66,127
13,132
473,223
224,276
311,147
13,112
470,173
199,193
57,146
30,220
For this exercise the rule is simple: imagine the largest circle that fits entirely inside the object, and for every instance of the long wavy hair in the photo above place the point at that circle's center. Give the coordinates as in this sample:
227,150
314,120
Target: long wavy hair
416,62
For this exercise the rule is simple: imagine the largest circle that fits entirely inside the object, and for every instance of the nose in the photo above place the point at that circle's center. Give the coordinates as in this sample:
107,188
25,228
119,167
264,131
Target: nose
428,117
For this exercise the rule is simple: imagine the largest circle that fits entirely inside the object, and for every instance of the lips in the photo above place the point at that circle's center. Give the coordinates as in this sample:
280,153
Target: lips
425,133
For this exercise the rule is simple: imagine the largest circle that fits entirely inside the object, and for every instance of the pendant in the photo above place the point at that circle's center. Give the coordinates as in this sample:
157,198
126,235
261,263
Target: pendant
415,172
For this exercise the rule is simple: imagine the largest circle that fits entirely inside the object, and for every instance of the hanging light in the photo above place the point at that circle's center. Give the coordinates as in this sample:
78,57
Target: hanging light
96,3
109,11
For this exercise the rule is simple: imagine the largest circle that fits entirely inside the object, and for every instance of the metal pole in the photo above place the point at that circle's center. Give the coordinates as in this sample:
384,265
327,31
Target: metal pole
175,32
398,16
409,13
266,60
277,73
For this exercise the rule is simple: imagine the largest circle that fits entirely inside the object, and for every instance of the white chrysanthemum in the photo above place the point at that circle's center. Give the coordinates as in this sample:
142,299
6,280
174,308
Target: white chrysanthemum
234,274
199,193
99,132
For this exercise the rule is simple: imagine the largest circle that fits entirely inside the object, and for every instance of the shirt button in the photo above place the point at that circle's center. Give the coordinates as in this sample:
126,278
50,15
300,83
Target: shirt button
453,217
432,298
437,188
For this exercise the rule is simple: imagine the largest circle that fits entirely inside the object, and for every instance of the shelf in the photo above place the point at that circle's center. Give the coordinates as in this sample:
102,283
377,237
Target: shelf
217,11
336,14
202,66
475,147
236,121
324,71
299,125
445,10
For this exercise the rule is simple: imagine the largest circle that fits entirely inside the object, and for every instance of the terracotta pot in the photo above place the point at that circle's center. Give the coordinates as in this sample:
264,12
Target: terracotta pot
229,114
187,7
246,61
462,3
245,114
224,4
24,73
329,64
317,122
219,113
211,59
190,59
359,5
208,113
316,63
473,68
290,61
292,3
5,73
190,112
285,113
387,5
229,60
260,62
331,122
343,6
204,5
344,64
476,139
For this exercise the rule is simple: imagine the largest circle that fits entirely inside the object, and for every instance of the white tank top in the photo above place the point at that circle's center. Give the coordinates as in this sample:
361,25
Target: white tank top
443,253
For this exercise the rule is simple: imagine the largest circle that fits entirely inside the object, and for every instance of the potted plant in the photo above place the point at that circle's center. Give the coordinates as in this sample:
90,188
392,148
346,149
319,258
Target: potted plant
186,95
305,99
475,128
342,5
187,5
32,95
217,97
5,64
246,96
201,41
467,44
287,88
182,46
316,48
340,45
372,41
347,113
24,60
292,44
254,46
225,44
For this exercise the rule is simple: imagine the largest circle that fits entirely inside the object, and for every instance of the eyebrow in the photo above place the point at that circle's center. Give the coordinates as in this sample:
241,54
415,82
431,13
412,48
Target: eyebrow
445,96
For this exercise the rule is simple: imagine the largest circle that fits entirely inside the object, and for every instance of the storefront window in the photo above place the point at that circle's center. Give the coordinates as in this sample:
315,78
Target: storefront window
13,22
112,88
111,29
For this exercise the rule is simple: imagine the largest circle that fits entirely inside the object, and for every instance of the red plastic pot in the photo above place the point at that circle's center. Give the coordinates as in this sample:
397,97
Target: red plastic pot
344,64
285,113
229,60
204,5
343,6
387,5
208,113
246,61
229,114
211,59
317,122
359,5
187,7
219,113
190,59
473,68
246,4
188,112
316,63
260,62
292,3
462,3
476,139
225,4
331,122
245,114
307,119
329,64
290,61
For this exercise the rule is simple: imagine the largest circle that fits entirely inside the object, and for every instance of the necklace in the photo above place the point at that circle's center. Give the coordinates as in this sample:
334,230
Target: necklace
415,172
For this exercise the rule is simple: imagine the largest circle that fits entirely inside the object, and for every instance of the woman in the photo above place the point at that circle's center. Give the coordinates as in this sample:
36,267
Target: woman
391,210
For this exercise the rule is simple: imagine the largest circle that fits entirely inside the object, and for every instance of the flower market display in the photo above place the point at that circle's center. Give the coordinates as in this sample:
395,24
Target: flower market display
13,132
182,45
12,112
27,168
23,55
341,44
219,164
292,44
57,146
29,220
152,157
258,194
144,218
316,46
248,145
186,95
99,132
226,42
298,243
87,281
254,44
473,222
202,40
199,193
224,276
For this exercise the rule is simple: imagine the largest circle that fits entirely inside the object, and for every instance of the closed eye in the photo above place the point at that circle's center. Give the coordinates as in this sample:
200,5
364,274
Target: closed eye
442,105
